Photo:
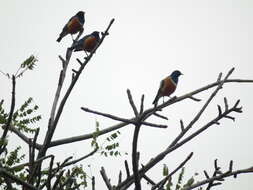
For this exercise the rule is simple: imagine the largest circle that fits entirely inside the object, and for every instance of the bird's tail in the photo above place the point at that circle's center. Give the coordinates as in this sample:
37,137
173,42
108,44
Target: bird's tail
62,34
59,39
156,99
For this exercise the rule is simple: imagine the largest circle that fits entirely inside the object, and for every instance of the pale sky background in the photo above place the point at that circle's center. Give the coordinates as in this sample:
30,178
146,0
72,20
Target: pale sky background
148,40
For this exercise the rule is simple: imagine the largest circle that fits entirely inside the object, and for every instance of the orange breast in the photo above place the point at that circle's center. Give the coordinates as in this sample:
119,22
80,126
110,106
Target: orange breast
168,88
74,26
90,43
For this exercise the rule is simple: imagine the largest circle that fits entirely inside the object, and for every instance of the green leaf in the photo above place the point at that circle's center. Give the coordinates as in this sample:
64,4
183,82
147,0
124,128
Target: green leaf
29,62
165,170
190,181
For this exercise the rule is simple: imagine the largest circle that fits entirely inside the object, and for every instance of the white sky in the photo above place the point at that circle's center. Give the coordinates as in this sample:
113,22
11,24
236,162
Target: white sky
148,40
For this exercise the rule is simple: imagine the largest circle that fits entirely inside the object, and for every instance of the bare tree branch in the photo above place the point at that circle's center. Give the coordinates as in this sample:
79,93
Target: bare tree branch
22,136
220,177
86,136
165,104
57,181
80,159
160,156
28,163
127,169
105,178
142,104
196,118
148,179
93,182
120,177
128,121
53,121
135,160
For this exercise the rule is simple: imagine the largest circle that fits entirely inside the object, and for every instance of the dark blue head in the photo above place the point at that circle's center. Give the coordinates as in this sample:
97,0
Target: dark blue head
80,15
174,75
96,34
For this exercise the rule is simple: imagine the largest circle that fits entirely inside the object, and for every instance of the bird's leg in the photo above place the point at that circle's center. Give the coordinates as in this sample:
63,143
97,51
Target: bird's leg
86,53
73,38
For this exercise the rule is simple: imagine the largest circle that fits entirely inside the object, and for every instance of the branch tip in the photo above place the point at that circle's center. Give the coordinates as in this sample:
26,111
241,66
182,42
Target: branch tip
231,166
195,99
206,174
226,103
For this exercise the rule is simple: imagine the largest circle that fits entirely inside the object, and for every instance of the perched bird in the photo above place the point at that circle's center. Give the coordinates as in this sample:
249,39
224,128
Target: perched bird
87,43
167,86
74,25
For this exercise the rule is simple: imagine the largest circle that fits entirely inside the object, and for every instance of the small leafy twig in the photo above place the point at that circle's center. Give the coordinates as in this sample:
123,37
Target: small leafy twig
163,181
16,179
2,144
28,64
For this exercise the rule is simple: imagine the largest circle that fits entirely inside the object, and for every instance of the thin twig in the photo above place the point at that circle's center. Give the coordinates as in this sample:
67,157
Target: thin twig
160,116
79,159
195,99
22,136
6,74
142,104
105,178
130,98
148,179
120,177
127,169
129,121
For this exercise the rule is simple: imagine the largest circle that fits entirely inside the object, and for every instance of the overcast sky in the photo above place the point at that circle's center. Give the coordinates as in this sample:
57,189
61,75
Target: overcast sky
148,40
